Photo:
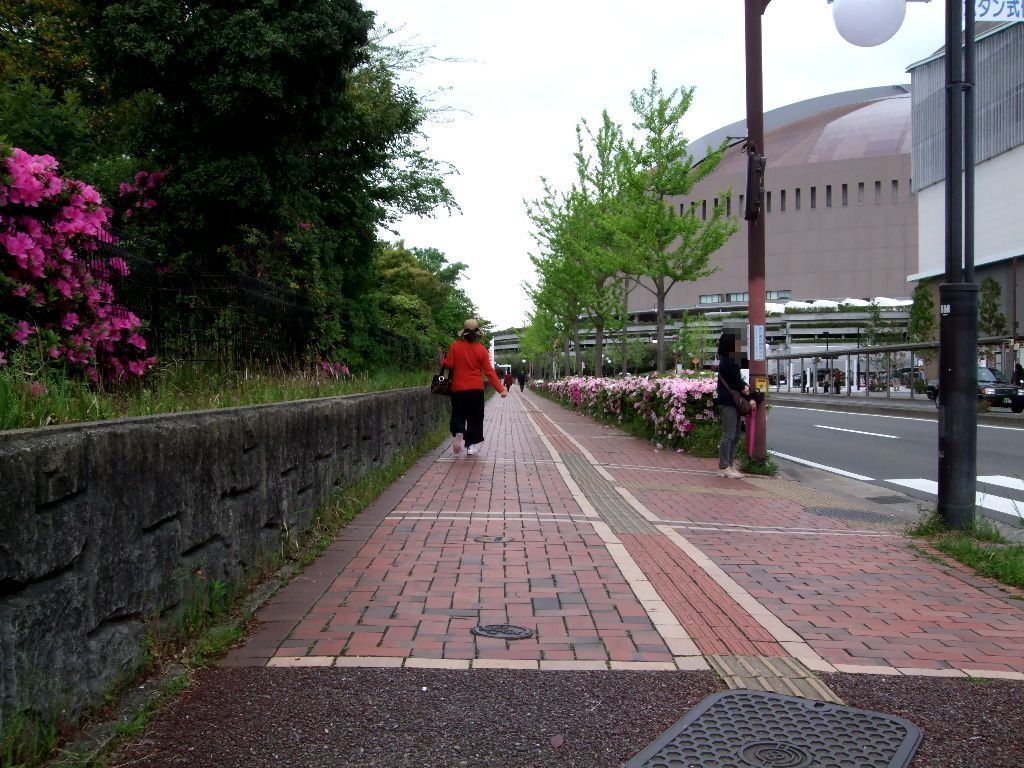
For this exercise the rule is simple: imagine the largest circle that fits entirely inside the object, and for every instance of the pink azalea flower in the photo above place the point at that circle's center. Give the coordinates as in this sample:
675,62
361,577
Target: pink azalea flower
22,331
69,321
37,389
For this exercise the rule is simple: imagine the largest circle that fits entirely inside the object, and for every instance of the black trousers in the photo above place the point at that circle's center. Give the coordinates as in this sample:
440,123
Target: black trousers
468,415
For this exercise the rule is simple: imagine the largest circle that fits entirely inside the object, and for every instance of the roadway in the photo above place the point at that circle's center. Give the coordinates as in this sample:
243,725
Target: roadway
897,453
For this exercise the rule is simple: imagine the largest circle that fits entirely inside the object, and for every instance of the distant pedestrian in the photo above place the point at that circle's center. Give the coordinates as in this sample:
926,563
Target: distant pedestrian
729,378
1018,375
469,362
509,380
522,380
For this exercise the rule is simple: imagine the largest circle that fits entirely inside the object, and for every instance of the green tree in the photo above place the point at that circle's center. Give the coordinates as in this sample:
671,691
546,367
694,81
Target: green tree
667,247
694,341
991,320
923,321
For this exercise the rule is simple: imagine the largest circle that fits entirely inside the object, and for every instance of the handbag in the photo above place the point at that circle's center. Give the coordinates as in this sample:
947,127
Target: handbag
441,384
741,403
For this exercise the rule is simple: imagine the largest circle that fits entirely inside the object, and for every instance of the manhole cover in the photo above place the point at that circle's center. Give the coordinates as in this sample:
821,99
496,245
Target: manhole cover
888,499
853,515
754,729
493,539
502,631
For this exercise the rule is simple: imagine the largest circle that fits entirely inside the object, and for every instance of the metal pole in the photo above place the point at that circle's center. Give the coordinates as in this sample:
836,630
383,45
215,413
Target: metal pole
958,300
755,237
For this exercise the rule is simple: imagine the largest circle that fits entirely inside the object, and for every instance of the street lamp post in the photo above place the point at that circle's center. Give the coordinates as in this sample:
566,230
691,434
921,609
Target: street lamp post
869,23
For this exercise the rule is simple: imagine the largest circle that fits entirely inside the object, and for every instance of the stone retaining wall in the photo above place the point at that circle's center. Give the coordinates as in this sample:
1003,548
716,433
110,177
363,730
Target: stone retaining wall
103,525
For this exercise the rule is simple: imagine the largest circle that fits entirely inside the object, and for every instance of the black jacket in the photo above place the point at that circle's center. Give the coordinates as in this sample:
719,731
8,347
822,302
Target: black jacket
729,371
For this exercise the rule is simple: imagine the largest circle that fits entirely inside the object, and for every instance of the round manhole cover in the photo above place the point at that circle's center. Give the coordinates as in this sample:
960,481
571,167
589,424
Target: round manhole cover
772,754
502,631
493,539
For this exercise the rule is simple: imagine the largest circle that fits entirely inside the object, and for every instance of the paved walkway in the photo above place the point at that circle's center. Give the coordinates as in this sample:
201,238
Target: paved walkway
621,556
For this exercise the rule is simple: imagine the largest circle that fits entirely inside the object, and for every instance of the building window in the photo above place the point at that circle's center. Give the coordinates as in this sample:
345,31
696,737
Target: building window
704,210
682,209
878,193
895,191
768,202
796,198
828,195
785,295
738,296
846,195
814,197
741,202
715,206
728,206
782,200
860,193
711,298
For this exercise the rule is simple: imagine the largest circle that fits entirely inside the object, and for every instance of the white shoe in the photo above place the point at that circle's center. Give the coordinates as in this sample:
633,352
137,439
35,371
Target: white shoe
474,449
733,473
457,444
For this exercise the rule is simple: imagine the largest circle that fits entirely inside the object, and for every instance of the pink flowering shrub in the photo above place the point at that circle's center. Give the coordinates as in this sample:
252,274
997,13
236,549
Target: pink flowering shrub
669,408
334,370
55,294
137,195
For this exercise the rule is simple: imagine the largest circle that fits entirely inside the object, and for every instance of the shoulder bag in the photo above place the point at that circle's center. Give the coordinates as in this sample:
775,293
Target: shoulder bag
441,384
742,404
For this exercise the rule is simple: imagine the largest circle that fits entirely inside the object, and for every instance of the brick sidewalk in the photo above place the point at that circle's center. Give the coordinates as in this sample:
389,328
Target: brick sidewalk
621,556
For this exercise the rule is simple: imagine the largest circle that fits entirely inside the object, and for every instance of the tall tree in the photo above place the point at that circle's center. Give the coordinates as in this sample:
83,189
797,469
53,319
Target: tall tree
991,320
669,247
923,321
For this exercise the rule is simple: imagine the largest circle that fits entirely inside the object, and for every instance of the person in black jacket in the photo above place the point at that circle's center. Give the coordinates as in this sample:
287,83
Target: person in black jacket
729,356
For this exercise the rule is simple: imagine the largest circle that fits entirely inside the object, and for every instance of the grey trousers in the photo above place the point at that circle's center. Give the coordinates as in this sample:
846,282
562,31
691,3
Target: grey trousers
730,435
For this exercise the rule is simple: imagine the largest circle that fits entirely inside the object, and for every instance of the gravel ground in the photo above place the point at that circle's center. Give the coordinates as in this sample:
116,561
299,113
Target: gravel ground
966,723
307,718
254,717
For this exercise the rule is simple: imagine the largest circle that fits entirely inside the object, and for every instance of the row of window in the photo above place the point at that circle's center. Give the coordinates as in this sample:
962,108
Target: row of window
798,199
716,298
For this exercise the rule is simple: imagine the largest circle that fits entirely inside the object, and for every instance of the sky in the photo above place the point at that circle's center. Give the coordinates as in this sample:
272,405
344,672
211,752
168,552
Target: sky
513,81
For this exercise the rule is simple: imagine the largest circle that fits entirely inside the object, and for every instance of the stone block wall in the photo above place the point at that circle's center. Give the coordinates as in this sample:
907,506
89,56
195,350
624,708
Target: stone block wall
103,524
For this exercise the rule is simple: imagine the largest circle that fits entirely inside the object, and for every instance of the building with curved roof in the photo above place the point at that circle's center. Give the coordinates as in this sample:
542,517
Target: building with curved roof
840,214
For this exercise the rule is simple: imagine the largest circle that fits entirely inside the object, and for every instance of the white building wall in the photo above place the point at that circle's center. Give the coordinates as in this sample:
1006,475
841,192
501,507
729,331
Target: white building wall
998,220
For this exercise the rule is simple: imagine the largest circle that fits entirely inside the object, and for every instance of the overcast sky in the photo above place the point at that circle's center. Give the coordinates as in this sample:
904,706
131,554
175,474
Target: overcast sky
526,73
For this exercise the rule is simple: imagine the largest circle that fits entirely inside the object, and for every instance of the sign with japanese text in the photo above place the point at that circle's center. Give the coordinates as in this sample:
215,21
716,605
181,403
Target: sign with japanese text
999,10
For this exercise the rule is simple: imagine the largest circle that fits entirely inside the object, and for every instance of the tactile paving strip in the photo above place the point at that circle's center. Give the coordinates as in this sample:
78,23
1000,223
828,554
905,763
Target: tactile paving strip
752,729
608,502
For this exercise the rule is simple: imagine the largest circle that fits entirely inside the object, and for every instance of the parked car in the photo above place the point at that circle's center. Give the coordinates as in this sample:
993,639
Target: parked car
993,387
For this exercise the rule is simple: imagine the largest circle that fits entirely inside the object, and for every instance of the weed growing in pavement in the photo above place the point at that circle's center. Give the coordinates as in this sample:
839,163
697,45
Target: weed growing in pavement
750,466
26,740
983,548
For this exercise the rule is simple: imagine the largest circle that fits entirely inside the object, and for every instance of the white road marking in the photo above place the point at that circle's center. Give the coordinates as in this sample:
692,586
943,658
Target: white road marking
857,431
883,416
816,465
987,500
1007,482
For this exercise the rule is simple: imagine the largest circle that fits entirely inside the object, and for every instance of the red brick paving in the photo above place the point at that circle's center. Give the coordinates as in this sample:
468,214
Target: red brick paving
407,579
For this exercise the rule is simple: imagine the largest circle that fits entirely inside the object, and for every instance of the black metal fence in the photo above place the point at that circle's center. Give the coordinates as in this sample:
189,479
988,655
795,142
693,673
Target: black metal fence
228,319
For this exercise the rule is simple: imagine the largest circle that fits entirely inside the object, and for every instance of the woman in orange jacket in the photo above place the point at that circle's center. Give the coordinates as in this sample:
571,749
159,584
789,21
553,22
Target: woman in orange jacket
469,361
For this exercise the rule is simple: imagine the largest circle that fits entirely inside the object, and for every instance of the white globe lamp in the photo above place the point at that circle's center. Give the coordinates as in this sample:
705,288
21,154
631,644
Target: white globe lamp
868,22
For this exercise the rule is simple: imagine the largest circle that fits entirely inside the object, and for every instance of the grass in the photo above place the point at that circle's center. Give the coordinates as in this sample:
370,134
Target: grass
214,621
983,548
56,398
751,466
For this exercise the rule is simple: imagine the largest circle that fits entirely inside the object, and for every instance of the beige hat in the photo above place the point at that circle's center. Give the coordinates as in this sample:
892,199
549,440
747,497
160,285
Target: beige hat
470,325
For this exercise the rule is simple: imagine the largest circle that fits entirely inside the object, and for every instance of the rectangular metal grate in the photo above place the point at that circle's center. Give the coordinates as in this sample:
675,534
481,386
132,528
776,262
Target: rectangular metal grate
753,729
888,499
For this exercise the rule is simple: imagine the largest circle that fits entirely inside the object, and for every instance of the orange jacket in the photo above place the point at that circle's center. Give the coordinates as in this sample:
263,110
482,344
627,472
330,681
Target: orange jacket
469,361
